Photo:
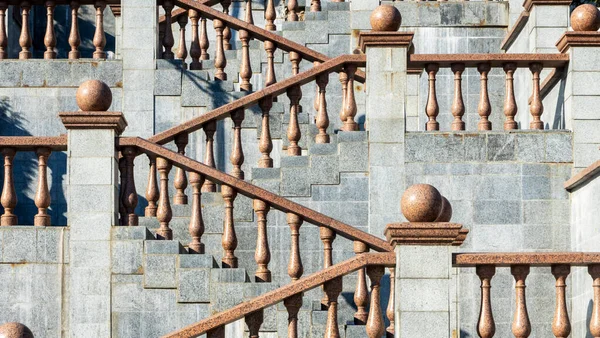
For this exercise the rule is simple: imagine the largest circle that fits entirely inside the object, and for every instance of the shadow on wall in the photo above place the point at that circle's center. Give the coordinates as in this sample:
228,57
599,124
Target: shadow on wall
25,172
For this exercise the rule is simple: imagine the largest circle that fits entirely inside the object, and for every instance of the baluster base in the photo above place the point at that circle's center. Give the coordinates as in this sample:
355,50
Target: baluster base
195,66
458,125
196,248
538,125
511,125
150,211
133,220
294,150
24,55
99,55
180,199
74,55
322,138
484,125
229,262
349,126
209,187
48,55
263,276
41,220
7,220
164,233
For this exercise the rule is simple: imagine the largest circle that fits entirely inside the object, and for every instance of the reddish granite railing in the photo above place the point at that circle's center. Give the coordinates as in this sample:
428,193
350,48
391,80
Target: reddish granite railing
484,63
43,147
519,263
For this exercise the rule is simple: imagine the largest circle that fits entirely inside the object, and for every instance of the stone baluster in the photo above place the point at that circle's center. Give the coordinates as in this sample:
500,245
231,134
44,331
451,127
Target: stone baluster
209,156
164,213
130,197
99,40
316,99
226,30
332,289
237,153
196,227
254,320
25,37
510,103
3,37
122,188
180,181
486,327
220,60
204,43
315,5
168,40
270,16
74,38
458,106
375,325
521,327
9,195
42,194
484,108
594,271
292,7
295,268
350,101
270,72
245,67
182,52
536,108
218,332
161,37
561,326
361,294
432,108
322,116
152,193
263,253
327,237
195,51
389,312
344,83
50,37
265,146
293,305
229,238
293,132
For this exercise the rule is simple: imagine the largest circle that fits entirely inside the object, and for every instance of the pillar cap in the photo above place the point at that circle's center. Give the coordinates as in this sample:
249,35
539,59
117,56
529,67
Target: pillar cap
578,39
384,39
15,330
426,233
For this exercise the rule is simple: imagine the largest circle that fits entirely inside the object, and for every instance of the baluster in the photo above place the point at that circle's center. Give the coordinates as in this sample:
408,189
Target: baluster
293,132
389,312
130,197
245,67
344,83
42,195
316,100
350,101
122,188
510,103
254,320
293,305
218,332
9,195
152,193
265,145
220,60
195,51
594,271
99,37
262,254
458,106
3,38
295,268
361,295
50,38
375,325
521,326
226,30
315,6
164,213
292,7
432,109
486,327
270,72
182,49
204,44
25,38
327,237
322,116
74,39
209,158
332,289
168,40
270,16
295,61
180,181
161,37
561,326
484,108
229,239
196,227
237,153
537,107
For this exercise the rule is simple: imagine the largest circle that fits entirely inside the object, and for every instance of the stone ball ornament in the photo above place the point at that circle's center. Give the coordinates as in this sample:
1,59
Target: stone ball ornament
94,95
386,18
421,203
15,330
446,213
585,18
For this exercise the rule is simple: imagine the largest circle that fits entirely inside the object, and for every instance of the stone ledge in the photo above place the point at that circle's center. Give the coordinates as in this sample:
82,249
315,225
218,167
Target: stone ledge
578,39
425,233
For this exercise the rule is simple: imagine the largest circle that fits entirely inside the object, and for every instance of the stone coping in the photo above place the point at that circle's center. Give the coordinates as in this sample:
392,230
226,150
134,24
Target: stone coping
496,60
528,4
94,120
426,233
31,143
583,177
506,259
379,39
515,30
578,39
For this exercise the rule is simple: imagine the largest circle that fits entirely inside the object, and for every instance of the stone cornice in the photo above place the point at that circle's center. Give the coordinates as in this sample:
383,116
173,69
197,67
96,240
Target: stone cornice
433,233
578,39
378,39
94,120
528,4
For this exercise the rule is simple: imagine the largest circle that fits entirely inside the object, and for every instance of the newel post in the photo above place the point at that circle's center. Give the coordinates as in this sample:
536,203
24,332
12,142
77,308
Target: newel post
92,205
423,295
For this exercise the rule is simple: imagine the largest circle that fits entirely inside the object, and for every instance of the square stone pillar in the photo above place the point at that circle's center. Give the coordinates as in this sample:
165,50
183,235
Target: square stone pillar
548,20
92,187
424,286
387,54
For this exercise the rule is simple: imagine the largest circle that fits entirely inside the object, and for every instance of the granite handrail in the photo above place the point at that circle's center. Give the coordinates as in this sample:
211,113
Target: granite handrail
31,143
560,264
484,63
374,262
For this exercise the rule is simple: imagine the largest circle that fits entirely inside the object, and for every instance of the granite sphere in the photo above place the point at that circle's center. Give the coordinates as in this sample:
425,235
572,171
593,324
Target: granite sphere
446,213
94,95
15,330
421,203
585,18
386,18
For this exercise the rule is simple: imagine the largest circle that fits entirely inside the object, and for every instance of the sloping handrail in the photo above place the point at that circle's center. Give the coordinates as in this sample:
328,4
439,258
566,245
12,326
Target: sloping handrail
252,191
271,298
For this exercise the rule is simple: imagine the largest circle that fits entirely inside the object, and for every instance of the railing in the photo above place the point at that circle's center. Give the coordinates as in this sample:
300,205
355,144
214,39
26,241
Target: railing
520,263
484,63
25,39
43,147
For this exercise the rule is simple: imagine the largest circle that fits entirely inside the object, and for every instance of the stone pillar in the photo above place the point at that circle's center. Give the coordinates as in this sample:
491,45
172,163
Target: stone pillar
547,21
387,52
92,207
425,285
